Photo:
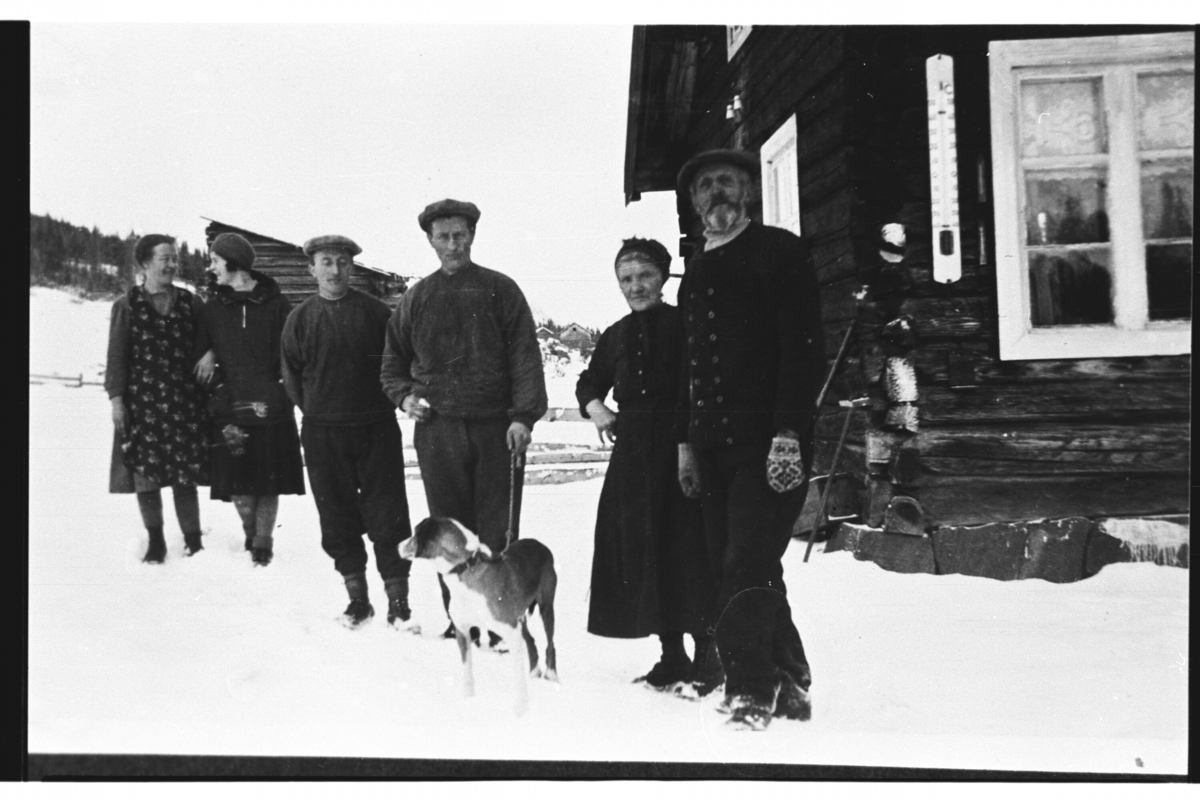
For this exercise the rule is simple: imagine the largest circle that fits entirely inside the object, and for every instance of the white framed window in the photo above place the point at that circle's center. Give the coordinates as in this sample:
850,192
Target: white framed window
1093,170
781,179
734,36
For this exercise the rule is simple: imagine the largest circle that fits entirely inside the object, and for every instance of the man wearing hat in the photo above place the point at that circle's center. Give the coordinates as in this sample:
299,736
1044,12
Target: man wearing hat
332,345
462,358
754,363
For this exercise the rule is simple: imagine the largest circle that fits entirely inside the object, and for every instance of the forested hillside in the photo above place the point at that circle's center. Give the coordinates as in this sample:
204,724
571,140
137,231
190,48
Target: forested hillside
62,254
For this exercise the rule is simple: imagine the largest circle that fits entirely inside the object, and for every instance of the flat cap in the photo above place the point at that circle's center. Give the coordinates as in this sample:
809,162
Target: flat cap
447,208
331,242
737,158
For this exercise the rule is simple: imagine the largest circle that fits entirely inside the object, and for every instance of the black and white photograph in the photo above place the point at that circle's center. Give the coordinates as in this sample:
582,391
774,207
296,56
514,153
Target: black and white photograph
547,395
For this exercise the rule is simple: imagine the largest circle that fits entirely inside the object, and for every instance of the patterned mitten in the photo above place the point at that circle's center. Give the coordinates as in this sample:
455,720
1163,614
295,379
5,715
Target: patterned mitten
785,468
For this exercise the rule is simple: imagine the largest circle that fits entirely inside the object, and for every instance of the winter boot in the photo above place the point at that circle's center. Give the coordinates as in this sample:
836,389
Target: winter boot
156,553
262,550
793,702
672,667
359,610
399,615
249,531
707,672
192,543
748,713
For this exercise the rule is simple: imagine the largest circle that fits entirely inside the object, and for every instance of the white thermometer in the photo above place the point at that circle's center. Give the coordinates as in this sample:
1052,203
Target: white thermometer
943,169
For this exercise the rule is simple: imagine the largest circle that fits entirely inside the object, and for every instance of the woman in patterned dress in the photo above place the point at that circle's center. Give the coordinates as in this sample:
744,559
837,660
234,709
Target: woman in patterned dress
256,447
650,571
161,428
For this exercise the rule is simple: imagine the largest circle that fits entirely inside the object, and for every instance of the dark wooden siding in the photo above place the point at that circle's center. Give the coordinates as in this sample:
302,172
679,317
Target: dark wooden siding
288,266
1091,437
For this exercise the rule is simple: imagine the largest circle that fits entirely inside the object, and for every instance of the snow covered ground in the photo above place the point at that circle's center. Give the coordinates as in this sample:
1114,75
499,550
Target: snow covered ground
209,656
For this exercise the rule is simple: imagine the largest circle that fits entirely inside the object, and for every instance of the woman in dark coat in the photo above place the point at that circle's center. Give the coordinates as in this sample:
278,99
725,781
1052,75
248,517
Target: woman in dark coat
649,570
160,426
256,448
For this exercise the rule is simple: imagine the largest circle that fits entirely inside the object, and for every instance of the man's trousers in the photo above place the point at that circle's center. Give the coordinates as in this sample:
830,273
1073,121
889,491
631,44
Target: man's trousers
747,527
356,474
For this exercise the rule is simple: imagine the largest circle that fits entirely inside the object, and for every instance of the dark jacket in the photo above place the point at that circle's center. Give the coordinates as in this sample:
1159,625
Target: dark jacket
650,571
245,328
332,350
466,343
753,324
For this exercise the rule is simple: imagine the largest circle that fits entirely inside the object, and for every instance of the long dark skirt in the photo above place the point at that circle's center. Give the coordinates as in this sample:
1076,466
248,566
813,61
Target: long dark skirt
650,573
255,459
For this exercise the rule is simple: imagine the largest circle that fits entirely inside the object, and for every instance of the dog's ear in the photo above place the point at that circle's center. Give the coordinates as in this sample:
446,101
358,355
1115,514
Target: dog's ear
425,530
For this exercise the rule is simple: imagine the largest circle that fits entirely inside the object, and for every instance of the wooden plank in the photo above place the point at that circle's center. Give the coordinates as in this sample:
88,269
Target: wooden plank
1068,463
978,500
930,359
955,318
1086,401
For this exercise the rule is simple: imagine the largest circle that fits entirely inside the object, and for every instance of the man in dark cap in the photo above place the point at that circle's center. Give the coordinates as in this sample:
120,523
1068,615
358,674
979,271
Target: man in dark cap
750,305
332,345
462,358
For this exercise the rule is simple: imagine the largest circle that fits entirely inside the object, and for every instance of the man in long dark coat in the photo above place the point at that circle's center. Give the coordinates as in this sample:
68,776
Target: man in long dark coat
750,303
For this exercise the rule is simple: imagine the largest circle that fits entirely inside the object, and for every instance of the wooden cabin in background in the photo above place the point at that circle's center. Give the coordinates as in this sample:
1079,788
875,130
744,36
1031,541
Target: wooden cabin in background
288,266
1048,429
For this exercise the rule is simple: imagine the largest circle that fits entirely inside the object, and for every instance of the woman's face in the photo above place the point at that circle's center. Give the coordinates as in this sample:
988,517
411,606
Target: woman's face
641,282
220,270
161,267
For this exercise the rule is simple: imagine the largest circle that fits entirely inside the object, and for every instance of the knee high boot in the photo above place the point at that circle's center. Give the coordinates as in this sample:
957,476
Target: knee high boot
150,504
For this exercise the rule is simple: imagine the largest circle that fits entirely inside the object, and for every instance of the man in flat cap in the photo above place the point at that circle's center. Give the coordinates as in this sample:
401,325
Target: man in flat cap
332,346
750,307
462,358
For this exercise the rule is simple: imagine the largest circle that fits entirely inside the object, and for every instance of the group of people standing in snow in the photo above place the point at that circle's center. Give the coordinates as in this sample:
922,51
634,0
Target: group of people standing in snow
712,437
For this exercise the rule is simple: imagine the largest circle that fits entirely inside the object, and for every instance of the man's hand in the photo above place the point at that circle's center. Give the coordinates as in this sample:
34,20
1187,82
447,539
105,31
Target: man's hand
417,408
689,472
119,415
206,367
604,419
518,437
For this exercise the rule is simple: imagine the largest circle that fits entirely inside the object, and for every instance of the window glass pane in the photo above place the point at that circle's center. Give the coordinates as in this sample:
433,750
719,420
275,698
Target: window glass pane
1062,118
1070,287
1166,111
1169,280
1065,207
1167,200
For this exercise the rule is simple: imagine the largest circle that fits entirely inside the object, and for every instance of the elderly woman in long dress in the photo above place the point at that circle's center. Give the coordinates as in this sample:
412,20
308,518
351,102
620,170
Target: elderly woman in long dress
650,572
256,448
160,425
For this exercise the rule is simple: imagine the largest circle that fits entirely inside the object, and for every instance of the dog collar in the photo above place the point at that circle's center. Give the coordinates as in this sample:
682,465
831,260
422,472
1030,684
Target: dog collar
471,561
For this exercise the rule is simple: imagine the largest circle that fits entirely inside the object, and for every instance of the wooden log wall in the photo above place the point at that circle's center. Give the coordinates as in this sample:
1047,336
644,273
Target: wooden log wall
1050,438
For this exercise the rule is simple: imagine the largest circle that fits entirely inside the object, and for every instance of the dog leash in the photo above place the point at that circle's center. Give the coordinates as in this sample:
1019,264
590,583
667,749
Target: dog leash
514,464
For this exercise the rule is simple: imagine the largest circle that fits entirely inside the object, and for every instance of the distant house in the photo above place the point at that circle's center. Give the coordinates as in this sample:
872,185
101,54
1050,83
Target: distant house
575,335
287,264
544,333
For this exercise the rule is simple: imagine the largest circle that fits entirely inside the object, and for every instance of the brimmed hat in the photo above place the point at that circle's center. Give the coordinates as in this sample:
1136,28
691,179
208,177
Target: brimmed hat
736,158
235,248
331,242
447,208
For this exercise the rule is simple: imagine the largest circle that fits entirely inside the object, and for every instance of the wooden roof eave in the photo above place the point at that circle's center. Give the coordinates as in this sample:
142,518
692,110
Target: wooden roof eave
358,268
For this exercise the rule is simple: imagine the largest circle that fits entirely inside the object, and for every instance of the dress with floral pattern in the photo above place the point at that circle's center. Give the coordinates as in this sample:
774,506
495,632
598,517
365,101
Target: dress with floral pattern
167,439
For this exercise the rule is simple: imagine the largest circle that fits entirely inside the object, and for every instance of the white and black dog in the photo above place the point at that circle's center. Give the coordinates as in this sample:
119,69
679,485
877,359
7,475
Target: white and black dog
491,592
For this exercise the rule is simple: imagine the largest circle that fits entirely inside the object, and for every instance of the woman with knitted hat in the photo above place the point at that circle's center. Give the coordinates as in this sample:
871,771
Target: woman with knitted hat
256,448
650,573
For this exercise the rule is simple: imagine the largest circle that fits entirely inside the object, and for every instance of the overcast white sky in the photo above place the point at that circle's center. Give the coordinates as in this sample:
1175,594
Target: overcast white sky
297,130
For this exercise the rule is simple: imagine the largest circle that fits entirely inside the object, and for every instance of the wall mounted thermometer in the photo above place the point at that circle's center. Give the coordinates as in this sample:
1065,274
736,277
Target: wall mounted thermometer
943,169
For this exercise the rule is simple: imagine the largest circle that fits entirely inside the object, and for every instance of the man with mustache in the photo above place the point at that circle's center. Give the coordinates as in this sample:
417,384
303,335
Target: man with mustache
462,358
754,363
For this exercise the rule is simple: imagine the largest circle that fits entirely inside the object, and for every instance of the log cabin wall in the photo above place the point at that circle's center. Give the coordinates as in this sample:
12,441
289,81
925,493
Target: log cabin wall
1013,440
288,266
